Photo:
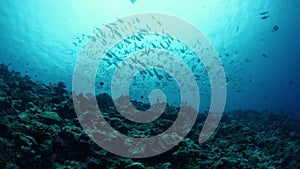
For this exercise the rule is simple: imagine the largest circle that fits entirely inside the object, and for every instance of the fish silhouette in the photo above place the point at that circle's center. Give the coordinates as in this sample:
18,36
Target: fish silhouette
132,1
275,28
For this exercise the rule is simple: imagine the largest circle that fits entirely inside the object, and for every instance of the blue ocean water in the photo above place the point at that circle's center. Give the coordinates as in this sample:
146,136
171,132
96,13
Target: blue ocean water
257,42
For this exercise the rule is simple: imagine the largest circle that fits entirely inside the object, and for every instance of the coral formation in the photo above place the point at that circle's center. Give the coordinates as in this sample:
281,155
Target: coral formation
39,128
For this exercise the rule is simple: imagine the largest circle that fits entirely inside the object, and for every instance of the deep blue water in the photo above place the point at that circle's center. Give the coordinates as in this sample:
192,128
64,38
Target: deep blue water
258,44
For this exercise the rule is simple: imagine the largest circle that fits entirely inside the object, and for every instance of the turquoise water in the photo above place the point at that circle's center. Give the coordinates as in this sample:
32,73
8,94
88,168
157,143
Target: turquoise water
257,42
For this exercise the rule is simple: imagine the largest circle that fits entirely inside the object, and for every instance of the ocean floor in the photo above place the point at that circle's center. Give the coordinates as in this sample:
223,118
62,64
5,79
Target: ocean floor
39,129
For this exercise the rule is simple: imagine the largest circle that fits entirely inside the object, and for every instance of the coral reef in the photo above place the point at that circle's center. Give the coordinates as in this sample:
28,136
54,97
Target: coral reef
39,129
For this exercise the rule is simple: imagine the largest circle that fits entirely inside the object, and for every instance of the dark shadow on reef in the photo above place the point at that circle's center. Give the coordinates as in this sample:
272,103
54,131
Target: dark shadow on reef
39,129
